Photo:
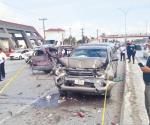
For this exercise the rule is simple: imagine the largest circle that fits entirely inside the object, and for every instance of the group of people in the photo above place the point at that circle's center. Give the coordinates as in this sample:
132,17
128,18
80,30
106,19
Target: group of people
3,57
130,49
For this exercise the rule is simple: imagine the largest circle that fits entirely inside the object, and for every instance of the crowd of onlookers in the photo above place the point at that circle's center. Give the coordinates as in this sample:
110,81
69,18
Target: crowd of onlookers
130,50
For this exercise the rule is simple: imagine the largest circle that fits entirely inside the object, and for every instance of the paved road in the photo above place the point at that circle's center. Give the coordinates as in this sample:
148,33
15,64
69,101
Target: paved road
34,100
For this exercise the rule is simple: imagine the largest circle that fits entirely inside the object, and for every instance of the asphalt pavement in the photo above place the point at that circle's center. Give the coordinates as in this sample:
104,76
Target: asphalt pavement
34,100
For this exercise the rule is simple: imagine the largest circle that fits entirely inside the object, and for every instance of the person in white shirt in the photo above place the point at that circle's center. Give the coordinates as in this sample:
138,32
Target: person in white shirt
122,53
4,57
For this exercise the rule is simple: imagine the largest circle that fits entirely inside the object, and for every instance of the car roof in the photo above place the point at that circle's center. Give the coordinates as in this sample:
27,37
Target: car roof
100,44
92,46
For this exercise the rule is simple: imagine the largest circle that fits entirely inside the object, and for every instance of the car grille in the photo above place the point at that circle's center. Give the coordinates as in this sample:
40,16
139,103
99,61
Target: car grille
75,72
86,84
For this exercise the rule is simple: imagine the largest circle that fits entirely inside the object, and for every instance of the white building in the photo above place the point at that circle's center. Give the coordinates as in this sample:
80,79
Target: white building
55,34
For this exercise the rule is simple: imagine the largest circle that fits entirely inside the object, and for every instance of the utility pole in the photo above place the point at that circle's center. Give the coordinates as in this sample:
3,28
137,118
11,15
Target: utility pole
125,22
70,36
43,21
82,32
97,34
146,26
70,32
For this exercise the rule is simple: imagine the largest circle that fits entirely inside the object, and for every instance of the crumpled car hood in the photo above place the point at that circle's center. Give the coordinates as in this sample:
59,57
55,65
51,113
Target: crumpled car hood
75,62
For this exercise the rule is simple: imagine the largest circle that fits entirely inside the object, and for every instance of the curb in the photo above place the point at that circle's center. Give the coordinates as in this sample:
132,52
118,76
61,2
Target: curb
133,110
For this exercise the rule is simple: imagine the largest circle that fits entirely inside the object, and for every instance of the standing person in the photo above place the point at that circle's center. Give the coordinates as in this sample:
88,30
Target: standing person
4,57
1,61
122,53
129,51
146,78
133,52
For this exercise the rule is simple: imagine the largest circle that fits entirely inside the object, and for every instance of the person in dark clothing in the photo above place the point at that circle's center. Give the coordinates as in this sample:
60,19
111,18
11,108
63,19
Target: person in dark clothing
1,61
3,56
129,51
133,52
146,78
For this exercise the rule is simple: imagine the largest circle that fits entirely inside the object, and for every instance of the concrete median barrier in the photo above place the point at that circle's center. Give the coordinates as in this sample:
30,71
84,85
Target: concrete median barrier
133,110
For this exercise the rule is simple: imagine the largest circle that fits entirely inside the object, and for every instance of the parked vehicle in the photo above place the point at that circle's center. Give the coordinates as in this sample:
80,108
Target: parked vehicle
44,59
52,43
18,54
146,53
87,70
138,47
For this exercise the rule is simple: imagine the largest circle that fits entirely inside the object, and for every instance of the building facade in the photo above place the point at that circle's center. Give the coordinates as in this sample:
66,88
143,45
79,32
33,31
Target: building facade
13,35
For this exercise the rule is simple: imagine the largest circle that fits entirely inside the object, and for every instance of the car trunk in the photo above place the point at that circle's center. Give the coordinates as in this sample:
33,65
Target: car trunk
40,60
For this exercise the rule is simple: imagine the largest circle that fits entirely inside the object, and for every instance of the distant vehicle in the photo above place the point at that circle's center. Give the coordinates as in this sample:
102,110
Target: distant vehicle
18,54
146,53
52,43
44,59
87,70
65,50
138,47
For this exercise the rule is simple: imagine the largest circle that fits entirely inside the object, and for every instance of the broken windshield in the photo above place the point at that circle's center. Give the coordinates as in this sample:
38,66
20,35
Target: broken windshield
89,53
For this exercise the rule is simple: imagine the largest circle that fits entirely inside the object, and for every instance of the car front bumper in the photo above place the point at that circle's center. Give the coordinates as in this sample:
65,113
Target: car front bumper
94,85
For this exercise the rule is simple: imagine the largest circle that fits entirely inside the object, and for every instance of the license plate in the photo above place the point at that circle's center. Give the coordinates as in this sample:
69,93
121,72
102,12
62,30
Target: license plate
79,82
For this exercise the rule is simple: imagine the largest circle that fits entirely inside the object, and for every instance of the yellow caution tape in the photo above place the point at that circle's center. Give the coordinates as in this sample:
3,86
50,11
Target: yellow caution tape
104,107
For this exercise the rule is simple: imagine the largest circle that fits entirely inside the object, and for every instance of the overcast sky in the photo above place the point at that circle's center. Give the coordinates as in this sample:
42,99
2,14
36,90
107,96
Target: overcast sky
105,15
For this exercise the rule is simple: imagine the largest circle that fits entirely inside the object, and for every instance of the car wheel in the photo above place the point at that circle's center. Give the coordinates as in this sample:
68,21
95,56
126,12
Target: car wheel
20,57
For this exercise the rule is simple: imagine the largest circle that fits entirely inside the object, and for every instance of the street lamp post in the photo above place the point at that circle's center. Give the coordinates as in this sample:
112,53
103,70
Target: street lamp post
125,22
146,26
43,20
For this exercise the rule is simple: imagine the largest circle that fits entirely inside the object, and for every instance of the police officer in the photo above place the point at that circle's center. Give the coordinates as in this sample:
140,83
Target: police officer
1,61
129,51
133,52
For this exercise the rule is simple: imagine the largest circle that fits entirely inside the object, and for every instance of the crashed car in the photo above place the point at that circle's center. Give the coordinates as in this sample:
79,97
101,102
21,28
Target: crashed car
44,59
89,69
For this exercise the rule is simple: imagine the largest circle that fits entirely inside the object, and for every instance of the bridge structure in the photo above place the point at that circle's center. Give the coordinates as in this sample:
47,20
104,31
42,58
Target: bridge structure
13,35
123,36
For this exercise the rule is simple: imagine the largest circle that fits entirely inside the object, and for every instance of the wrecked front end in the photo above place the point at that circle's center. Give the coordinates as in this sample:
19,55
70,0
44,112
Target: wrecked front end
82,76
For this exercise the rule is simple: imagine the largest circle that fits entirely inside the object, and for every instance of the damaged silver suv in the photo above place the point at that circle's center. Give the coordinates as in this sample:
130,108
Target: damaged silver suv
88,70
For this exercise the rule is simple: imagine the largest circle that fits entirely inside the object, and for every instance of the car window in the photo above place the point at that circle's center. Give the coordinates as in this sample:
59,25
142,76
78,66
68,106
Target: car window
89,53
24,51
39,53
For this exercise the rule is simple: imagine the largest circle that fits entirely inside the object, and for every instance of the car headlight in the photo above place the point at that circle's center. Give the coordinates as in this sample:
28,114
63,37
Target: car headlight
60,72
99,73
